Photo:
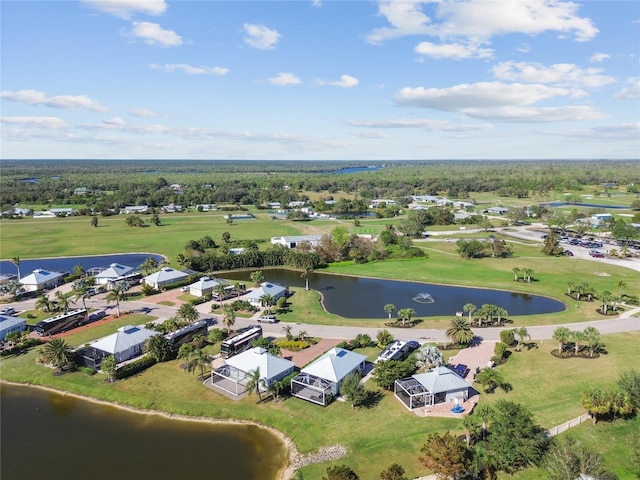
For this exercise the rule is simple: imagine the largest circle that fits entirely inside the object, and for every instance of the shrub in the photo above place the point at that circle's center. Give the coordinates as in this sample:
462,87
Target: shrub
87,370
507,337
134,367
500,350
292,345
147,290
217,335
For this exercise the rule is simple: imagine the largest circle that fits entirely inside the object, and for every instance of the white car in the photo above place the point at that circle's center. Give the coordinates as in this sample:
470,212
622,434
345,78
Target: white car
268,319
8,311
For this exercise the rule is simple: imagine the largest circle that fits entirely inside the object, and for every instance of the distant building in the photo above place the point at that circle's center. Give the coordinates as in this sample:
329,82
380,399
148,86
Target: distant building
265,288
125,344
136,209
112,273
164,276
61,212
598,219
9,324
41,279
293,241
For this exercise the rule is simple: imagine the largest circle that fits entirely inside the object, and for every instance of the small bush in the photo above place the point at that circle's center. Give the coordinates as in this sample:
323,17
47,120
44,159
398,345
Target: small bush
507,337
137,366
87,370
292,345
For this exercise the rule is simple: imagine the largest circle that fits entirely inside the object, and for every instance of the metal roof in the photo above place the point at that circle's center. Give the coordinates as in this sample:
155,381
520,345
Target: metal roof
124,339
270,366
335,364
441,379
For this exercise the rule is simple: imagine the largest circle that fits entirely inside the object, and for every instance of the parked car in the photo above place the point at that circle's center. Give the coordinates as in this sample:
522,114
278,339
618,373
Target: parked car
8,311
568,253
595,254
268,319
184,289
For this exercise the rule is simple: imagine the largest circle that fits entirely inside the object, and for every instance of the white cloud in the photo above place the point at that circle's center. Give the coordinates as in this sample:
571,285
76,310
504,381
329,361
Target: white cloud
498,101
455,51
630,92
284,78
34,97
41,122
143,113
346,81
562,74
316,3
599,57
480,20
126,8
261,37
190,70
154,34
114,121
524,48
426,124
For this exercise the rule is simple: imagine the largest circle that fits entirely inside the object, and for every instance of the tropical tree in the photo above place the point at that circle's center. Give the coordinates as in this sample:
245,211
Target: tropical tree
109,365
226,237
158,348
267,301
237,288
405,314
591,336
516,274
16,262
384,338
597,403
562,336
116,294
528,273
568,459
62,301
220,291
154,220
629,382
577,337
198,359
275,388
287,332
149,265
188,313
470,308
389,308
44,304
228,317
394,472
58,353
621,284
199,340
484,413
570,286
181,260
257,277
522,334
340,472
490,379
459,331
94,221
255,383
81,291
606,298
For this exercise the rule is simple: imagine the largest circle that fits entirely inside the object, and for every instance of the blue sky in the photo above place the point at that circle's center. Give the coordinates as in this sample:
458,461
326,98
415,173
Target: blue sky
320,79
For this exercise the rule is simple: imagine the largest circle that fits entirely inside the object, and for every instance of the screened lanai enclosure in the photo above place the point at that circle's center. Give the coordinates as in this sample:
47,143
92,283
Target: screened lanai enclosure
311,388
412,393
230,379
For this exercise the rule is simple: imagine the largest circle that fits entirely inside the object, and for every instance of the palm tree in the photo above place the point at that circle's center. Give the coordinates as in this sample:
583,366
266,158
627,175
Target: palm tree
16,261
198,359
405,314
597,403
577,336
275,388
302,335
484,412
149,265
44,304
116,294
516,273
528,273
267,301
81,291
621,284
181,259
188,313
257,277
220,291
255,383
109,366
158,348
562,336
287,332
63,302
228,317
78,271
200,340
389,308
522,333
237,287
58,353
459,331
606,298
490,379
592,337
501,313
469,307
570,286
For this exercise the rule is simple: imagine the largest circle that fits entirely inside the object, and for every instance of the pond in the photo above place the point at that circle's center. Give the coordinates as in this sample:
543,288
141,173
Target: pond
356,297
50,435
67,264
580,204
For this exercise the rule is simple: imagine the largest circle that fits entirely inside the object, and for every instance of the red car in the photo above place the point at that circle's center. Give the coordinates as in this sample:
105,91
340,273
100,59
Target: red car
597,254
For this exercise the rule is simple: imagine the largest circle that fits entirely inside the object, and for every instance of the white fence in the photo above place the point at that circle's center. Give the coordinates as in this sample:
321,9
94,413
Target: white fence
567,425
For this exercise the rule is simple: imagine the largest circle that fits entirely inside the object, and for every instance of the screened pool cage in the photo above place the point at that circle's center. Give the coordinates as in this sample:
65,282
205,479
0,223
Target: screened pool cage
230,379
313,389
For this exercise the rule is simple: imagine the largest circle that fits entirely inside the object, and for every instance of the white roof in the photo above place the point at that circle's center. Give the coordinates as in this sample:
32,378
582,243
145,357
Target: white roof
441,379
115,270
266,288
270,366
334,364
164,275
205,282
125,338
7,322
39,276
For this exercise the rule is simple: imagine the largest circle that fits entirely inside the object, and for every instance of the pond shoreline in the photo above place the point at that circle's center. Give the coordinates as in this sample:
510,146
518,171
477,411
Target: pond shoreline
292,453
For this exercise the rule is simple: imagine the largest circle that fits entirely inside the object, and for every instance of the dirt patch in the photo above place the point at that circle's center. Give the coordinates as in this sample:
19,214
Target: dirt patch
303,357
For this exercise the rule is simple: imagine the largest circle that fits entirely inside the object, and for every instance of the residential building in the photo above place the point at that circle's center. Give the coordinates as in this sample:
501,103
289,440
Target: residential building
111,274
164,276
265,288
9,324
293,241
41,279
127,343
426,389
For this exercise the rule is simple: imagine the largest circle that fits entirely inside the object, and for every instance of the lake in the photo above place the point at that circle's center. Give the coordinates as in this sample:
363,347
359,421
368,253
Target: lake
49,435
66,264
357,297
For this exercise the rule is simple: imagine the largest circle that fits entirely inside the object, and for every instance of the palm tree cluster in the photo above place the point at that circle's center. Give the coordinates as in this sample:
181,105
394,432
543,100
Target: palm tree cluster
488,314
588,338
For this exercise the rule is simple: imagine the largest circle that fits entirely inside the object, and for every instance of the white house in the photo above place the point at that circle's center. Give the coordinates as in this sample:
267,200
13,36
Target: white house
293,241
206,207
206,285
598,218
61,212
164,276
112,273
233,376
319,382
426,389
9,324
41,279
497,210
136,209
124,345
265,288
